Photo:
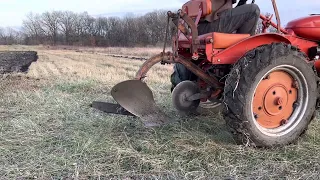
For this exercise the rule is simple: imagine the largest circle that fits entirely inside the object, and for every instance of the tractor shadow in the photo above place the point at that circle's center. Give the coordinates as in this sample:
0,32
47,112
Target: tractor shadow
209,124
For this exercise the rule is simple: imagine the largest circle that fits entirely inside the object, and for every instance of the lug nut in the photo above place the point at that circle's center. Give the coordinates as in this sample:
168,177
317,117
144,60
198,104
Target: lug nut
266,77
295,85
279,101
283,122
295,105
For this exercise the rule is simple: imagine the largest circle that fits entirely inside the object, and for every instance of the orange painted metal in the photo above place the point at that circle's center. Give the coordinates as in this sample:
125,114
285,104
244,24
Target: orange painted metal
306,27
275,8
274,99
267,21
192,7
234,52
303,44
224,40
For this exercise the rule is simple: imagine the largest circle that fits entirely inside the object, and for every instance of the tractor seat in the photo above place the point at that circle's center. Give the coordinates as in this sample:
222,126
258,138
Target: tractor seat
224,40
192,8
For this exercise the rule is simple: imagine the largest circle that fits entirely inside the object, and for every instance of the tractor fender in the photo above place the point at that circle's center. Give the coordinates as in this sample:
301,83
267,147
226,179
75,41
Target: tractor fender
233,53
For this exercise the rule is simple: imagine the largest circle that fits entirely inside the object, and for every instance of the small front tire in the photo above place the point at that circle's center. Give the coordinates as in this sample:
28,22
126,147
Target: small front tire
180,94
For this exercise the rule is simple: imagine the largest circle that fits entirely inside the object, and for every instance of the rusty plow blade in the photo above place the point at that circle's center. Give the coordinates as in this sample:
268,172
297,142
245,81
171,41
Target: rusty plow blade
137,98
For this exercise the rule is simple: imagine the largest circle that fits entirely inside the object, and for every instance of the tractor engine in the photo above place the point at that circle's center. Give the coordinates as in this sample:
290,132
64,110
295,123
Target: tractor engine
306,27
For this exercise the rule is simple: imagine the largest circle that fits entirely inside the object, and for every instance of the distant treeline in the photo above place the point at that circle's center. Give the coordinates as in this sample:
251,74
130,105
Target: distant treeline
81,29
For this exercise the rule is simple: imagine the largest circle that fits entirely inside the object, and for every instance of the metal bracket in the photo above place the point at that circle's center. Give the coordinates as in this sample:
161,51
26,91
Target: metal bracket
197,96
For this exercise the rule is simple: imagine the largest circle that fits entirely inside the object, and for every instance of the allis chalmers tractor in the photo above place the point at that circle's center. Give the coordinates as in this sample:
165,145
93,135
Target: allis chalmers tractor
268,82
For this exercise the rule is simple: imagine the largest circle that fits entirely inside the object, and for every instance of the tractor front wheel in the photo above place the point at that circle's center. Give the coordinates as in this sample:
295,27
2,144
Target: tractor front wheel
270,96
180,95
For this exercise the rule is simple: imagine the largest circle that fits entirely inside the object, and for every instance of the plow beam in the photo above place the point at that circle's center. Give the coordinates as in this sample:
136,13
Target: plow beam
169,58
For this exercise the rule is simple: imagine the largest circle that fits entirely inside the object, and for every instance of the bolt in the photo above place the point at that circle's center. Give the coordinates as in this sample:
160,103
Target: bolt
284,122
279,101
256,116
295,84
295,105
266,77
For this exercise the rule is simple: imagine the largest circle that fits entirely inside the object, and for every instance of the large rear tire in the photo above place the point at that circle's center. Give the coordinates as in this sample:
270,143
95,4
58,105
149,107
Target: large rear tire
270,96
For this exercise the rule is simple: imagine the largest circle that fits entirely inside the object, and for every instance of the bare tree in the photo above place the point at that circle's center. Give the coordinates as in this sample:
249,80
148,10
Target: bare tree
101,29
66,21
50,22
32,27
2,36
66,27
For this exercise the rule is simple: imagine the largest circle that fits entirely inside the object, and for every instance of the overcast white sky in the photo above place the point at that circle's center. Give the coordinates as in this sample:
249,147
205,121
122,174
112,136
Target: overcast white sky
12,12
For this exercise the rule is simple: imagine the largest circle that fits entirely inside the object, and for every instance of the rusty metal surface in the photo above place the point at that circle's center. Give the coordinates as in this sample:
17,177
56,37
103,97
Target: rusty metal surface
199,72
191,24
277,15
169,58
264,18
194,32
146,66
176,21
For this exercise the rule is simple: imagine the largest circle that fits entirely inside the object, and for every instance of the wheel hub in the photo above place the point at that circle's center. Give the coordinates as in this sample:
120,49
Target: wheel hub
180,95
274,99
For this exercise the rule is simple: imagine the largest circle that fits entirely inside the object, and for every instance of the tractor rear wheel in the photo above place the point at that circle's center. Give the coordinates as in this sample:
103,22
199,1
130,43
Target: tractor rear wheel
270,96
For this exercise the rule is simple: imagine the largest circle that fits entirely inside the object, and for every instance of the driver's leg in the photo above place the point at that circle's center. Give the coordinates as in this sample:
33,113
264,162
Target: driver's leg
242,19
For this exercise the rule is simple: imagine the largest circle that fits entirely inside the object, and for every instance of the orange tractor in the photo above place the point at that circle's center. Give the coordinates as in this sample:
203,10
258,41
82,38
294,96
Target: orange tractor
270,84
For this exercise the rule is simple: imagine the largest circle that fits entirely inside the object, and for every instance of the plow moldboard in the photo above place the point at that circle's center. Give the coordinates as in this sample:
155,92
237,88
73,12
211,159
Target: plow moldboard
137,98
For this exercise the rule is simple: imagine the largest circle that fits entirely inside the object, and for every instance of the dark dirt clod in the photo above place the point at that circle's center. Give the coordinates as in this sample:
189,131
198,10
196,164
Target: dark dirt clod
16,61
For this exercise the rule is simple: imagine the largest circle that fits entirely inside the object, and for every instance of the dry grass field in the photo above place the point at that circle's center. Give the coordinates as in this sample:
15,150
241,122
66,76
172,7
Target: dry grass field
49,131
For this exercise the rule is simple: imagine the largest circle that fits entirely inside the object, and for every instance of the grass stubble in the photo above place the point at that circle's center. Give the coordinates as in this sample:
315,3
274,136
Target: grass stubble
49,131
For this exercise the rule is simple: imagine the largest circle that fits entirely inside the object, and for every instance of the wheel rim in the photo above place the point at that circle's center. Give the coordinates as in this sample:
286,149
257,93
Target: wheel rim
180,94
280,100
